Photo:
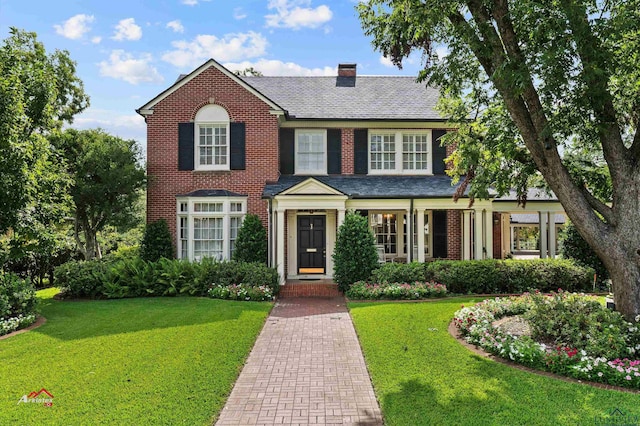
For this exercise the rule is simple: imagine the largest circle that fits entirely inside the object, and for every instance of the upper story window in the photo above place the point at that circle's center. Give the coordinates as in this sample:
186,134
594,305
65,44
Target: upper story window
212,138
400,152
311,152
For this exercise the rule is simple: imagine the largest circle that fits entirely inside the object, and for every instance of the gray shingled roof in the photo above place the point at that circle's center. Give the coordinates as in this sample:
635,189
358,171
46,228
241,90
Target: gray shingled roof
373,186
533,194
340,98
534,218
211,193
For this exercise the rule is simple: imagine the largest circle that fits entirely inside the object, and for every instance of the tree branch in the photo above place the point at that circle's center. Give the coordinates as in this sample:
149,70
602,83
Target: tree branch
599,206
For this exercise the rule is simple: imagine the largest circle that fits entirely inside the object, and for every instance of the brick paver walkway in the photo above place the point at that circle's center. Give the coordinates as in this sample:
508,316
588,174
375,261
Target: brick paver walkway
306,368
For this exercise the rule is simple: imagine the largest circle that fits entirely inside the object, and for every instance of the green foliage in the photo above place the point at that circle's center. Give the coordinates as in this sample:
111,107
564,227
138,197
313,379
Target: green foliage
398,273
582,323
394,290
108,179
241,292
116,278
251,243
17,296
509,276
354,257
573,246
156,242
39,92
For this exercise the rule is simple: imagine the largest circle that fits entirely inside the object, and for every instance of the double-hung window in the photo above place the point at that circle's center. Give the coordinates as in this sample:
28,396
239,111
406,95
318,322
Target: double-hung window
311,152
400,152
212,138
208,227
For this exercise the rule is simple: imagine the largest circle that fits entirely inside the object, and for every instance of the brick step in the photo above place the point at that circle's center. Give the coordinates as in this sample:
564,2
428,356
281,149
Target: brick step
309,289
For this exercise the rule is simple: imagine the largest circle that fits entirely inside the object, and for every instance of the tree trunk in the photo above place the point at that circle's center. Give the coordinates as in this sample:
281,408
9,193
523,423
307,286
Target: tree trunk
625,279
90,243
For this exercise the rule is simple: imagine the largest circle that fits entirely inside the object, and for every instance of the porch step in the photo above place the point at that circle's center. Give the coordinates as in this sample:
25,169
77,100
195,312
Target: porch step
309,289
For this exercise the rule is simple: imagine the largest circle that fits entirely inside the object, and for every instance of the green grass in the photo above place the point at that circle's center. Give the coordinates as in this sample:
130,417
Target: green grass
131,361
423,376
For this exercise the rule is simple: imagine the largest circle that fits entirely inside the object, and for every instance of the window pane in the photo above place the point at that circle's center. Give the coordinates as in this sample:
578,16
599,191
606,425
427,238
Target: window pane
310,155
207,237
383,152
414,151
212,144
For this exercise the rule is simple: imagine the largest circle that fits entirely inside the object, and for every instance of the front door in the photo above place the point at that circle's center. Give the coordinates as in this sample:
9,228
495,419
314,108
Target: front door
311,244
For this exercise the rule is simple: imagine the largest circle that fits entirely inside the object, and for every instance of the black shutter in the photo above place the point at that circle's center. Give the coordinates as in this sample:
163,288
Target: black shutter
439,152
360,152
334,151
237,147
287,147
186,133
439,234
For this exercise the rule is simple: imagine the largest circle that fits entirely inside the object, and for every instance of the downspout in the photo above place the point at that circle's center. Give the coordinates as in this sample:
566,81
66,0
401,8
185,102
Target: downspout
270,233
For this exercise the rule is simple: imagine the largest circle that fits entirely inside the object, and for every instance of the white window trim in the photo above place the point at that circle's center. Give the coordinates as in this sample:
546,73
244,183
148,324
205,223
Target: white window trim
399,170
196,150
429,247
323,132
225,214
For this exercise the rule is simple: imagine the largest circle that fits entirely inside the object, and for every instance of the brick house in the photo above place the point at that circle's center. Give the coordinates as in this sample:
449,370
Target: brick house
301,151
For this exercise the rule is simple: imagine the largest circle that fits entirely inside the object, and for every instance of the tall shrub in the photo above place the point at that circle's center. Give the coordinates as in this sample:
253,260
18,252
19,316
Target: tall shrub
251,244
573,246
156,242
354,257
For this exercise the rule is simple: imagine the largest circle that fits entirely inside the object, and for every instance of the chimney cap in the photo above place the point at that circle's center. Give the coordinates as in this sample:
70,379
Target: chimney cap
347,66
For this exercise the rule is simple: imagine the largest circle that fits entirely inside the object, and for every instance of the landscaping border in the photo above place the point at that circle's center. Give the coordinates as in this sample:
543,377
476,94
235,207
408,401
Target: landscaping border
455,333
39,321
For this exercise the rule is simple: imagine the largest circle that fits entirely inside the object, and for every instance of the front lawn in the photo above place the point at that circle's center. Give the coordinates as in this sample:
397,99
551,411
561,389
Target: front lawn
423,376
132,361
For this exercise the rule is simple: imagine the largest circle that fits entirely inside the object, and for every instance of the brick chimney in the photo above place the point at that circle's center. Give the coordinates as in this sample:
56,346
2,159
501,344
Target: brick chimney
346,70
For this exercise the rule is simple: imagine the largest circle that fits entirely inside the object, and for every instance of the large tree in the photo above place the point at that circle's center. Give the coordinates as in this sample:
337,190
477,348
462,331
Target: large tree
550,86
107,178
39,92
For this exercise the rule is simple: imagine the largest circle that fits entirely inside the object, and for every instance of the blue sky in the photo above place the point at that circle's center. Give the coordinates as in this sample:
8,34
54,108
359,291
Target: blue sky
129,51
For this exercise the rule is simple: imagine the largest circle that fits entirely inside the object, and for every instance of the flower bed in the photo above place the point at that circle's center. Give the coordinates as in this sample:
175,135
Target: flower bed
241,292
572,342
18,303
413,291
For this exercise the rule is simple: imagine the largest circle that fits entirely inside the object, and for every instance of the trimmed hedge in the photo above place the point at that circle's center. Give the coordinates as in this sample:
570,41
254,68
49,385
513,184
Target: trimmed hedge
398,273
18,303
509,276
136,277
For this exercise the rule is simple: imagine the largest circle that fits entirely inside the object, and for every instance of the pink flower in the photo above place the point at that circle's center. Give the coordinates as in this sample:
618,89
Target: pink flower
628,378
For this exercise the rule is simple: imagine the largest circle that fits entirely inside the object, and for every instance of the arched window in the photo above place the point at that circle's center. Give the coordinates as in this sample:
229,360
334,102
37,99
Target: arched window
211,138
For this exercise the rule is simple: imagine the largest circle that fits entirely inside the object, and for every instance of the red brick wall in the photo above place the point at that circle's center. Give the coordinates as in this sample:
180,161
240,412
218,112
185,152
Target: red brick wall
454,235
347,151
166,181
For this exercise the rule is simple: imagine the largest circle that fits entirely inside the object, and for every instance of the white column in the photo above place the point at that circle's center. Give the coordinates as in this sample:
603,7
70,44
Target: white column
340,218
552,234
420,234
543,233
478,234
410,242
280,242
488,234
466,235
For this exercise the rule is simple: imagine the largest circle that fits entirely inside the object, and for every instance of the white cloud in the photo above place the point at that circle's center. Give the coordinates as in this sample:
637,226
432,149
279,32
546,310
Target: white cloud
386,61
75,27
297,14
124,66
278,68
238,13
127,30
129,126
231,47
191,2
96,39
176,26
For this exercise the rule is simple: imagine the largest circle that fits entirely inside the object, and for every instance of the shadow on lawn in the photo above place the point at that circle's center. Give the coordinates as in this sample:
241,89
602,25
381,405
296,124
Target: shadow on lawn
485,398
73,320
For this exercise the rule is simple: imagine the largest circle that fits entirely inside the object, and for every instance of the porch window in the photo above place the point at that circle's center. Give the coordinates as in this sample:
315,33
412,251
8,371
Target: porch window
208,229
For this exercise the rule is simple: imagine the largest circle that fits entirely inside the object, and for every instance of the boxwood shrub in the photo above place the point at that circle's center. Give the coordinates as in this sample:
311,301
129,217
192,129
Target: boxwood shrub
398,273
509,276
136,277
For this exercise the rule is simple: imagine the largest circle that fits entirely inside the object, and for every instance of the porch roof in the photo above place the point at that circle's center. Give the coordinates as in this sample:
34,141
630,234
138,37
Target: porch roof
355,186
